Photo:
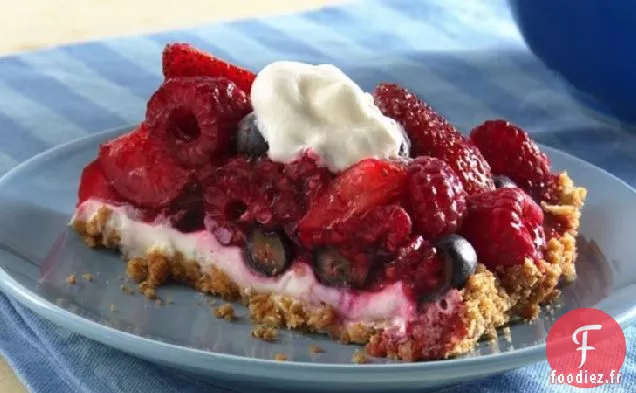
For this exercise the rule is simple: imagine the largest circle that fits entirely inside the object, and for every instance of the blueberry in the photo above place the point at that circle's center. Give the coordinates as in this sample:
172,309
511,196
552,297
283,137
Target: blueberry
460,259
249,139
405,147
333,269
268,253
502,181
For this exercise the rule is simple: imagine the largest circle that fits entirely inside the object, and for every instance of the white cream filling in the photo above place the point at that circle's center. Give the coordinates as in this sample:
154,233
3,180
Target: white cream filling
390,305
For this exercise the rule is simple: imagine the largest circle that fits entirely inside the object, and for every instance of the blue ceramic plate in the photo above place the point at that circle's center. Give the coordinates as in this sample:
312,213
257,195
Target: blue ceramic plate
38,252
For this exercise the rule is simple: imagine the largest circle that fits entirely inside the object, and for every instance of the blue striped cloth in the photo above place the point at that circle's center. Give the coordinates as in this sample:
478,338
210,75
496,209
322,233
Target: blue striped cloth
465,57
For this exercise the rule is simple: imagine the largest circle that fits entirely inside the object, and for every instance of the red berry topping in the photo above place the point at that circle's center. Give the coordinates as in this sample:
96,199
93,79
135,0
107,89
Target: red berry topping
196,117
504,226
432,135
421,270
383,227
309,175
439,327
184,60
141,170
278,193
367,184
433,334
93,184
511,152
243,193
468,164
386,227
435,197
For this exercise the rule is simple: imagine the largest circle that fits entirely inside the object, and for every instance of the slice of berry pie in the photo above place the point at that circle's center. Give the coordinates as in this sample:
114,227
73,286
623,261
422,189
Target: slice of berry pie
324,208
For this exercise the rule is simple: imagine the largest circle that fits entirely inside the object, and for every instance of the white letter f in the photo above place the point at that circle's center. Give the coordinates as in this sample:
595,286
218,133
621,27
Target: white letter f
584,347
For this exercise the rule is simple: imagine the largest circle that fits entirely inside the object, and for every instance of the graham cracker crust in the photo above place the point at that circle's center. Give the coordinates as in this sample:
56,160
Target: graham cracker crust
490,298
533,284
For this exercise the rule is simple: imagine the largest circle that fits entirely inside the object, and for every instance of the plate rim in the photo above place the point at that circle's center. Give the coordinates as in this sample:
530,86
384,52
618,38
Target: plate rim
194,358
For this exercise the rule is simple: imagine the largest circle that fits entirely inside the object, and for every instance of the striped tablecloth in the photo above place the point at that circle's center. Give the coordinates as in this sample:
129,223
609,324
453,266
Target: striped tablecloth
465,57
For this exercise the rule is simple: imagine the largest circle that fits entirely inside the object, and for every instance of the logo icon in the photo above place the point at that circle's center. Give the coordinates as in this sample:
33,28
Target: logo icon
586,348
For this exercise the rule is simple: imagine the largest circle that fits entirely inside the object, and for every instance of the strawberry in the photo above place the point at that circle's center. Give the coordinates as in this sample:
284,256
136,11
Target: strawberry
184,60
141,170
432,135
367,184
93,184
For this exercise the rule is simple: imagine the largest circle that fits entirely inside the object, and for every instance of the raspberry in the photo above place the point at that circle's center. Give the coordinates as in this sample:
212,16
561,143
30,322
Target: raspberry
432,135
94,184
243,193
226,200
418,266
511,152
205,173
184,60
383,227
421,269
278,193
504,226
196,118
468,164
367,184
435,197
311,178
140,169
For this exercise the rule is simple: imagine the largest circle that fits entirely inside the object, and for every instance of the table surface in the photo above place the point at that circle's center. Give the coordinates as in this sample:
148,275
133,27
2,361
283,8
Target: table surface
33,24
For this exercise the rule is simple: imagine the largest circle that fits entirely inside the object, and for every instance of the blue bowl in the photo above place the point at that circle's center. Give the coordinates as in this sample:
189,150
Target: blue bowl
590,43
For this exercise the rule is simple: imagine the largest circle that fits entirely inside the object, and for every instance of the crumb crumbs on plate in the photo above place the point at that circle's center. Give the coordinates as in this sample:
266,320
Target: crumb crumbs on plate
88,277
148,291
71,279
313,348
265,333
113,308
359,357
281,357
125,289
158,302
225,311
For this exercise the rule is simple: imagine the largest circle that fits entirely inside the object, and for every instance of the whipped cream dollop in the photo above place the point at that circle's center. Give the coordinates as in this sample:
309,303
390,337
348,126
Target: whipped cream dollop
302,107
